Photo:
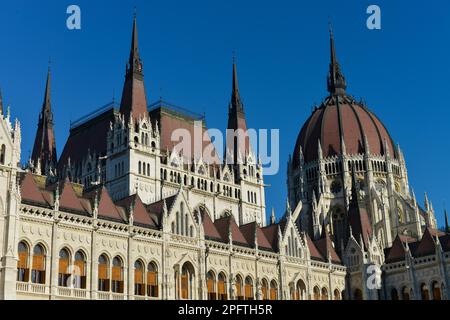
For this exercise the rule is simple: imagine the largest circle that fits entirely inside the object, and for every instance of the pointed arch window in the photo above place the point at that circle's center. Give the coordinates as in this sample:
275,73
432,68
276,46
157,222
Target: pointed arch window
117,275
211,285
186,281
316,293
139,285
38,265
103,273
265,290
324,293
23,271
273,290
152,280
238,285
79,271
248,289
64,266
222,287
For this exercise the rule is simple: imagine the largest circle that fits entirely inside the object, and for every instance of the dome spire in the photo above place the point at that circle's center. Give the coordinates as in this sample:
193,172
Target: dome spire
336,80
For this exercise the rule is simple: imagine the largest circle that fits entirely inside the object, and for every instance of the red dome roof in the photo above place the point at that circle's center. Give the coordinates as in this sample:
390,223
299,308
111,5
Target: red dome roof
341,118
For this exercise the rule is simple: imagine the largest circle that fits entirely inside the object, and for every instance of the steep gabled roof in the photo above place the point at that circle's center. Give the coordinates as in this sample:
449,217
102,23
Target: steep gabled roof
106,207
396,252
226,223
30,191
426,245
69,199
141,216
209,227
325,247
313,251
156,208
271,234
248,231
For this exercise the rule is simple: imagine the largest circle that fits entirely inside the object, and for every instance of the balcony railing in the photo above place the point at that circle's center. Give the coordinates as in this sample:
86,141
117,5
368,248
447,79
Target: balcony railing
75,293
31,287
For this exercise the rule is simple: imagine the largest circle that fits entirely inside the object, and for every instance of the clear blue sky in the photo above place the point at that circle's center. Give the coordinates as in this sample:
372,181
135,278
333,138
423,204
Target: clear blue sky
402,71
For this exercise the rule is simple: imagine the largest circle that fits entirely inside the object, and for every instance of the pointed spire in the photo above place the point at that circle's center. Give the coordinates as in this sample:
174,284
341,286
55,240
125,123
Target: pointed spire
237,142
44,149
427,203
1,103
336,81
134,100
447,227
354,199
272,216
319,150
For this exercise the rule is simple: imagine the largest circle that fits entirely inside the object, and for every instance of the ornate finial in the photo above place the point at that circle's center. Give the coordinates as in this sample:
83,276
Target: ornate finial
447,227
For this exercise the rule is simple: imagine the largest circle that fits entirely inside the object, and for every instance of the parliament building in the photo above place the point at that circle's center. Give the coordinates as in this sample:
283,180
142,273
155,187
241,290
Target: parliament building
123,214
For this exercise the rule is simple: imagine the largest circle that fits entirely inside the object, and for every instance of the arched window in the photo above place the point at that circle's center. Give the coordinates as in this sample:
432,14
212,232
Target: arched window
139,167
424,292
316,293
324,293
436,291
265,290
211,285
148,169
79,270
152,280
2,154
273,290
248,288
338,224
23,271
394,294
301,288
139,285
336,295
117,275
187,281
143,168
238,285
222,287
64,266
38,266
103,273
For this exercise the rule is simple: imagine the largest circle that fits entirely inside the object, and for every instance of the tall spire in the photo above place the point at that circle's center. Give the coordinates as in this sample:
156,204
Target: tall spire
1,103
134,100
236,103
336,80
44,149
238,142
447,227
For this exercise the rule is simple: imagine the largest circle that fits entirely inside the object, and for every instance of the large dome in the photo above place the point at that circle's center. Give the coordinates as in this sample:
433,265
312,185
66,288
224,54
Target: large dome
341,118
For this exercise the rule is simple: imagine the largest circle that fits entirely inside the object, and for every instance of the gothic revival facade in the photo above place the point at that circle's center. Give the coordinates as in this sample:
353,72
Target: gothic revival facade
125,214
351,182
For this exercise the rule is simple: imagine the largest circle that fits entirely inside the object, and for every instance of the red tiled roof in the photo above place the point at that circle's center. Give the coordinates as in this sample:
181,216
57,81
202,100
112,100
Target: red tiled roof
30,191
313,251
396,252
140,213
248,231
223,225
325,246
68,198
271,234
360,223
209,227
426,245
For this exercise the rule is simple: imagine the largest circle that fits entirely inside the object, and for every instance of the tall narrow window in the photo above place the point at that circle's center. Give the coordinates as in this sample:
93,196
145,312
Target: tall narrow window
324,293
211,285
148,169
152,280
38,266
248,288
103,273
265,289
238,285
222,287
139,167
273,290
139,285
187,281
63,271
23,270
316,293
117,275
79,270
